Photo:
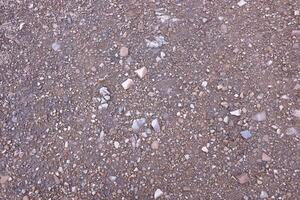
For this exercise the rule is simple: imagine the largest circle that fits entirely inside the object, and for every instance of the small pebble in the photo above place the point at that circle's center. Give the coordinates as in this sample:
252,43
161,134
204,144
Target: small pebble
261,116
127,84
55,46
155,145
155,125
263,195
104,91
158,193
204,20
4,179
204,84
236,112
204,149
243,178
112,178
296,113
242,3
141,72
292,131
246,134
25,198
186,188
116,144
124,51
158,42
265,157
137,124
226,120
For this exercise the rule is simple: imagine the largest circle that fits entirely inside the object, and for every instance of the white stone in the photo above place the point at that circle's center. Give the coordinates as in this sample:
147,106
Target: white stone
226,120
56,46
107,98
102,135
158,42
104,91
155,125
261,116
163,18
204,20
237,112
242,3
204,149
103,106
141,72
158,193
116,144
204,84
127,84
263,195
137,124
112,178
296,113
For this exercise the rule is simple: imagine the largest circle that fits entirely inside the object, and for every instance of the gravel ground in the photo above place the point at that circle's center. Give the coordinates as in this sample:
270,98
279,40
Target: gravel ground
132,99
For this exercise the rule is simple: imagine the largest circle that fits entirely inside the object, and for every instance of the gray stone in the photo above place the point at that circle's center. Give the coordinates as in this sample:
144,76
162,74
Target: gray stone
55,46
155,125
261,116
137,124
246,134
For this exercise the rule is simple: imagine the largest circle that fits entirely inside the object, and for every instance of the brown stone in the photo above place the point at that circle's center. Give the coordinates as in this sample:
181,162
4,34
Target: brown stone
3,179
124,51
265,157
25,198
155,145
243,178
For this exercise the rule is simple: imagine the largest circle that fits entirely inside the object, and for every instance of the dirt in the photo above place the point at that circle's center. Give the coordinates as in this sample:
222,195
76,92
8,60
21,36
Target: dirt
217,99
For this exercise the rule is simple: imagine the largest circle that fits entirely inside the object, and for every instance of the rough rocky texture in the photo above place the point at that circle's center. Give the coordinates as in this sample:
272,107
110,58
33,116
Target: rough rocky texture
63,138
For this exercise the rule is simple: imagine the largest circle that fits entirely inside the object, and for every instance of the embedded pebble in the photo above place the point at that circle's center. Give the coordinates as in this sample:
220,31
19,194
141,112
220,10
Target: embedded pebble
105,97
296,113
116,144
261,116
127,84
204,84
158,42
4,179
246,134
112,178
226,120
237,112
243,178
158,193
104,91
155,125
141,72
292,131
155,145
265,157
124,51
204,149
25,197
55,46
242,3
137,124
263,195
